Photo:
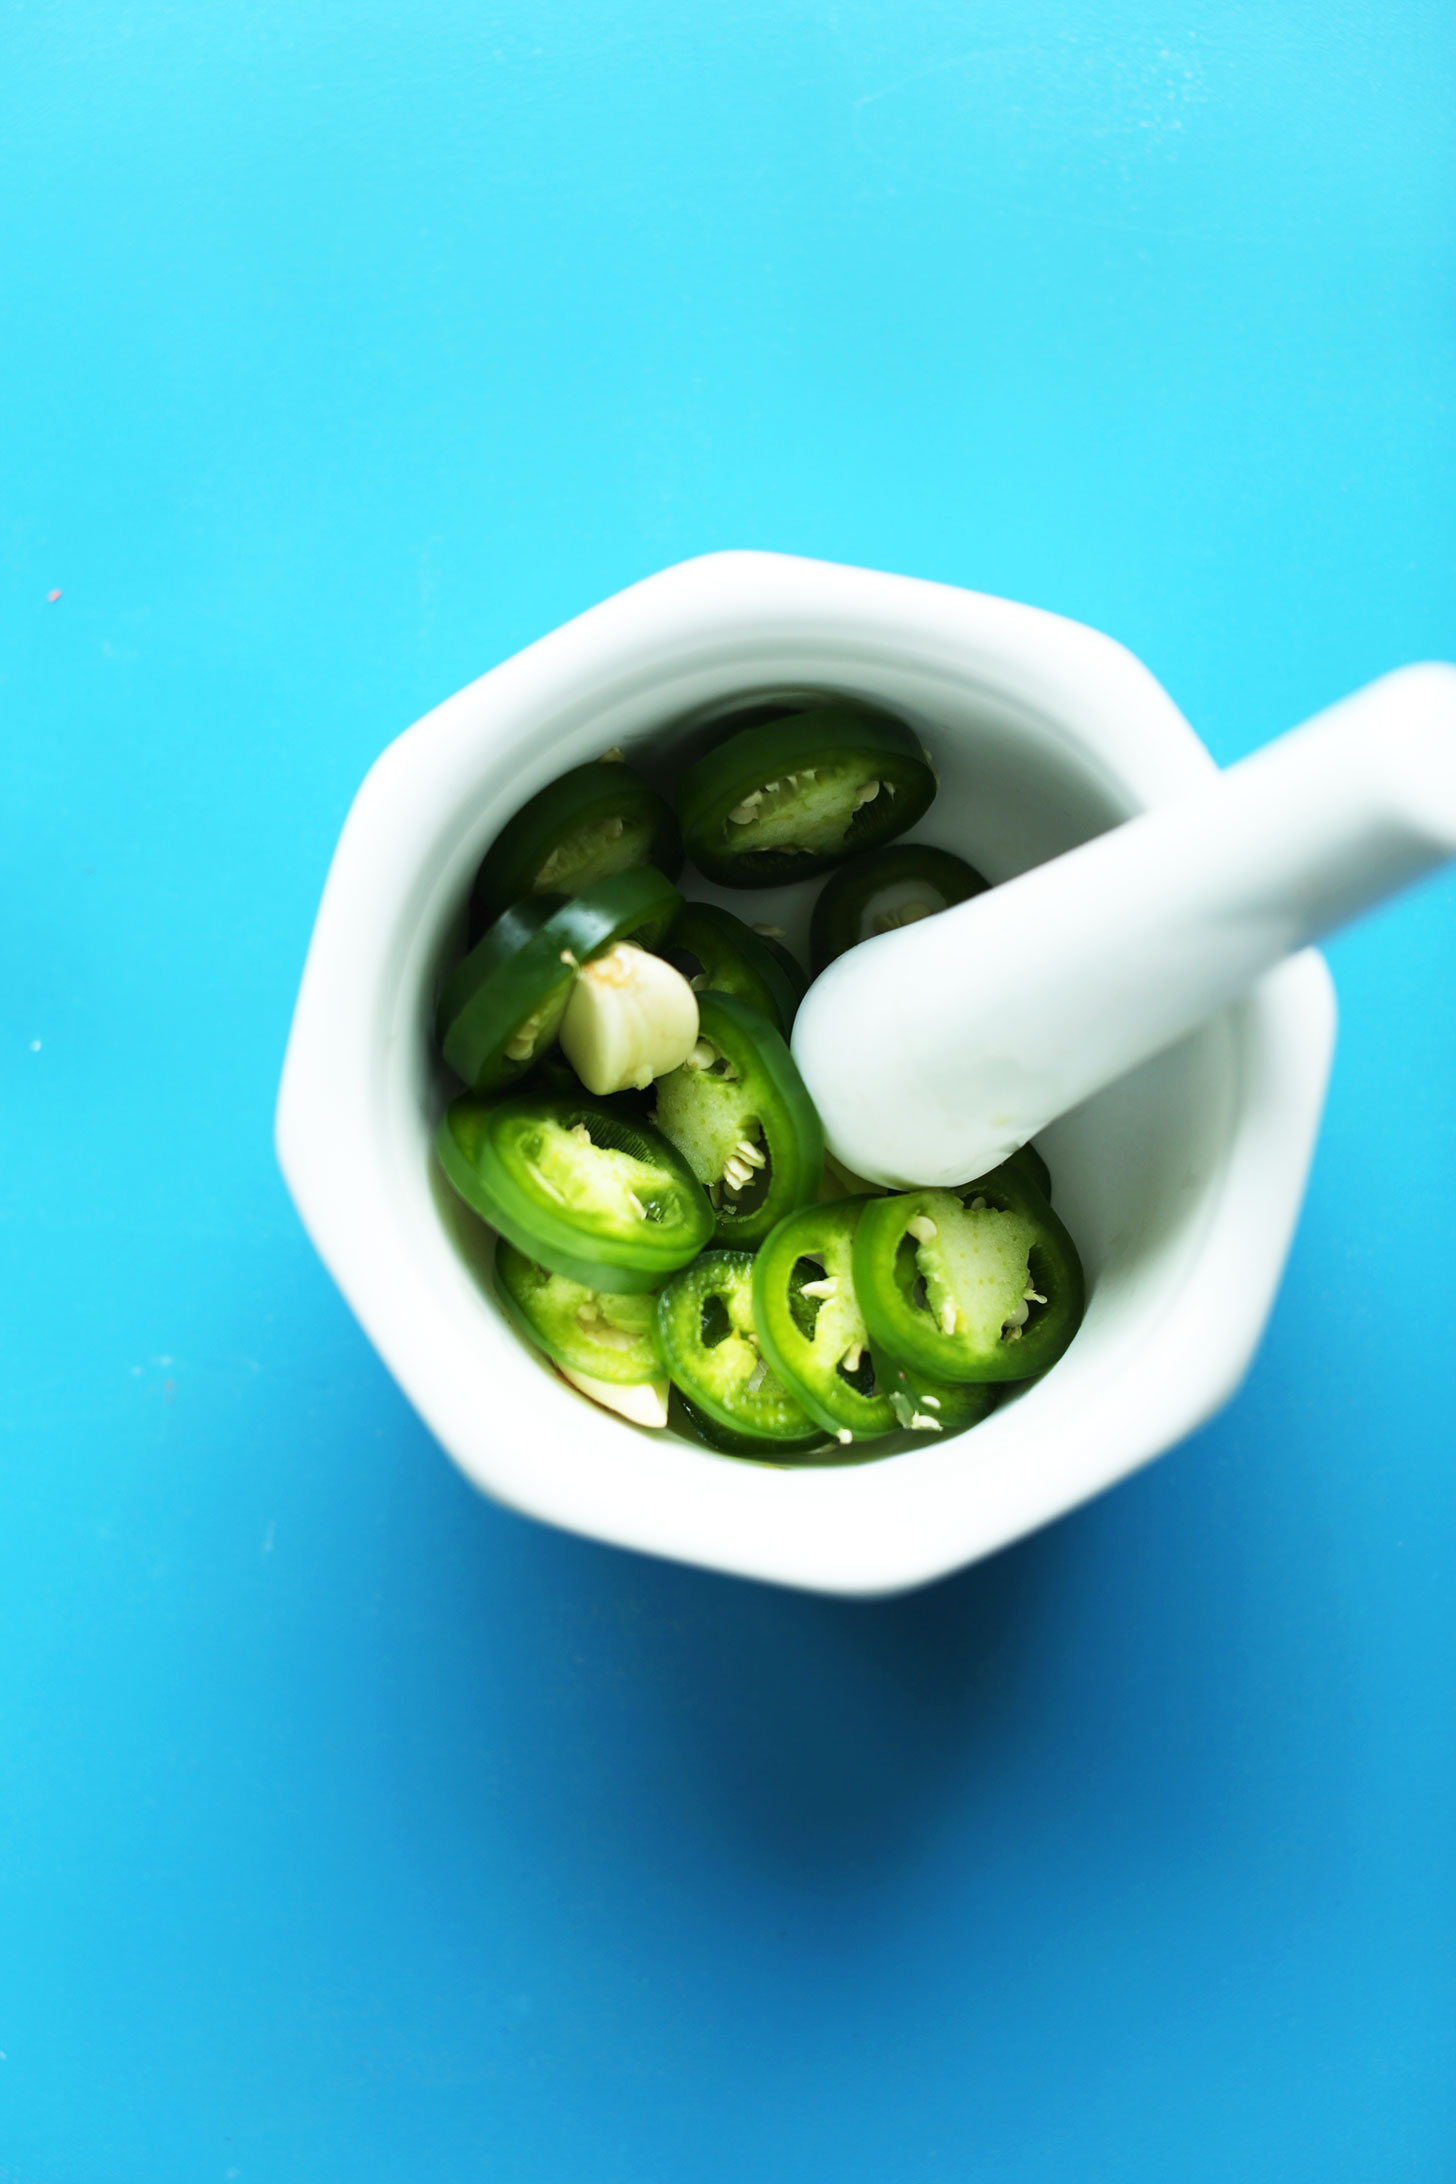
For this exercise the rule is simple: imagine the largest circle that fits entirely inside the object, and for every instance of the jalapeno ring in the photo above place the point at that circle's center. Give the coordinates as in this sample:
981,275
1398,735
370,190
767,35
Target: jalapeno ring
607,1334
799,794
580,1188
810,1323
884,889
739,1113
982,1283
598,819
717,952
709,1342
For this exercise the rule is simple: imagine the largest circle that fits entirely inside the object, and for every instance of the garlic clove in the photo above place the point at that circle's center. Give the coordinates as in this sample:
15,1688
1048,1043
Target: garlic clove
644,1403
631,1017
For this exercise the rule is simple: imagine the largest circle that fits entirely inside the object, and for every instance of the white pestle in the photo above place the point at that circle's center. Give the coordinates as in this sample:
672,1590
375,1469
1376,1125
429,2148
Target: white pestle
934,1051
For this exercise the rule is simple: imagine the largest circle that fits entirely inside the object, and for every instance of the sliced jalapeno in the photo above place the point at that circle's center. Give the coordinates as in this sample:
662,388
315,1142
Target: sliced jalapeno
981,1283
884,889
801,793
922,1405
603,1333
1030,1163
502,1005
598,819
773,939
717,952
579,1187
810,1324
710,1345
753,1446
738,1112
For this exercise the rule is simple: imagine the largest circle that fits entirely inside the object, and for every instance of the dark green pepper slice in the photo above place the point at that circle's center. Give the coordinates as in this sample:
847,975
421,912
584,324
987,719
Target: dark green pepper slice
581,1189
503,1003
922,1405
604,1333
598,819
738,1112
525,1003
752,1446
1030,1163
773,939
717,952
981,1283
810,1324
884,889
801,793
709,1342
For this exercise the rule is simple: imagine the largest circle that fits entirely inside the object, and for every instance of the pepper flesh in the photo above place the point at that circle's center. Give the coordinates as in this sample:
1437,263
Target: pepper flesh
884,889
738,1111
978,1284
810,1322
710,1341
582,1189
594,821
604,1333
719,952
796,795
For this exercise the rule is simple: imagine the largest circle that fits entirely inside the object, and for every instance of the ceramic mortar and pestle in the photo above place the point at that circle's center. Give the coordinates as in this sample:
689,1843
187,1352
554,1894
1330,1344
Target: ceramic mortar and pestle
1126,992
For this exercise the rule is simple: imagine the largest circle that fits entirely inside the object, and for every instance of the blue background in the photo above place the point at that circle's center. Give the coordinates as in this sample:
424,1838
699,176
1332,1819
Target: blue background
351,1826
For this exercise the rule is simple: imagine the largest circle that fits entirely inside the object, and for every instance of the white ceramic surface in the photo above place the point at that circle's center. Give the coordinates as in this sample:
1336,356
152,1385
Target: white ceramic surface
1010,1009
1181,1184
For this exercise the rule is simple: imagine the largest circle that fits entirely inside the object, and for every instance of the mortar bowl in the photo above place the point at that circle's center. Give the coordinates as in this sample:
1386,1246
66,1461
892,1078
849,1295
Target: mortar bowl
1181,1184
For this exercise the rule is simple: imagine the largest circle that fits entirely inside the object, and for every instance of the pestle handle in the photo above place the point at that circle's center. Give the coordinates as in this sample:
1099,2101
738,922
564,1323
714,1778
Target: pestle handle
935,1051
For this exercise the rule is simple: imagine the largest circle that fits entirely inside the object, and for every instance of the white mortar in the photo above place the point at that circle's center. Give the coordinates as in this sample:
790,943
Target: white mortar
1181,1184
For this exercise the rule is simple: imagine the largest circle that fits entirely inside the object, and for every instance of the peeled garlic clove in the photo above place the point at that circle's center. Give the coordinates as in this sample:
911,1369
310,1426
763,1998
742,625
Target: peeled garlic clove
644,1403
631,1017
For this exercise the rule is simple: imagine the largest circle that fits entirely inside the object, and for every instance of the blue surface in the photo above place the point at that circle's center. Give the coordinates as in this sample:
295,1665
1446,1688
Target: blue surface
352,1827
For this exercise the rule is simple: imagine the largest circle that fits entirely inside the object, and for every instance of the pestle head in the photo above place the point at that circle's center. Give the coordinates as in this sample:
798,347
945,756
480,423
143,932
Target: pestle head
864,1041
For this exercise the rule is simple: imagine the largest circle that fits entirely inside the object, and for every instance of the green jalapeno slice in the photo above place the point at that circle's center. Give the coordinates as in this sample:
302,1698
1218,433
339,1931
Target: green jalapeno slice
796,795
580,1188
610,1335
754,1447
923,1405
718,952
773,939
738,1112
981,1283
598,819
1030,1164
502,1005
710,1345
885,889
810,1324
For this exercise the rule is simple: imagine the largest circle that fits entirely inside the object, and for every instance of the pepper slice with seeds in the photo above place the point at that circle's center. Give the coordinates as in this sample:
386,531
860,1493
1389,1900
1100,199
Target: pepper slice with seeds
799,794
502,1005
606,1334
931,1407
981,1283
883,890
710,1343
717,951
581,1188
598,819
738,1112
809,1321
